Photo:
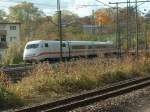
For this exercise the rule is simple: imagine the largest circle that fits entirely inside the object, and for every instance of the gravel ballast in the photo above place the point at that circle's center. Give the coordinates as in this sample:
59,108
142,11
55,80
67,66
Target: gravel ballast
136,101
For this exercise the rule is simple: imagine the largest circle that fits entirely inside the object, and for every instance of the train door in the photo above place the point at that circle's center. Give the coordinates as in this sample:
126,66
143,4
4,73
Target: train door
45,50
65,49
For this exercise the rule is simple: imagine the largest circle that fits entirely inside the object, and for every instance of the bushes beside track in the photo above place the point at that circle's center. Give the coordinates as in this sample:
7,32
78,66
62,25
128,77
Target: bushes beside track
48,82
8,99
14,54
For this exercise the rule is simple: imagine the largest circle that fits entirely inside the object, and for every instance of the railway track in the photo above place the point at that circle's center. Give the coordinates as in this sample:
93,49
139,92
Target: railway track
16,72
90,97
15,67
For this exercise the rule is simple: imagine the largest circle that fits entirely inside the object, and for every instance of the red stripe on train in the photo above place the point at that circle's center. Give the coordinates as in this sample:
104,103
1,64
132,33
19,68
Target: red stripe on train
47,53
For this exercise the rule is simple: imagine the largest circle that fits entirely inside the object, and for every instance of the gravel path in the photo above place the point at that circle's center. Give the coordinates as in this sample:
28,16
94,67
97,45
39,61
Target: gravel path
137,101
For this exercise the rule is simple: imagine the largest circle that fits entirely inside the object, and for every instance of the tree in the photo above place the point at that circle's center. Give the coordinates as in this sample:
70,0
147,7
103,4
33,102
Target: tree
28,15
104,16
46,29
86,20
66,17
147,14
2,16
24,12
70,24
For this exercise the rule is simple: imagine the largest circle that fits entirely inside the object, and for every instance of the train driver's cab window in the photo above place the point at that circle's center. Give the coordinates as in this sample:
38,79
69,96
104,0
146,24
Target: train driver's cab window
46,44
89,47
63,45
32,46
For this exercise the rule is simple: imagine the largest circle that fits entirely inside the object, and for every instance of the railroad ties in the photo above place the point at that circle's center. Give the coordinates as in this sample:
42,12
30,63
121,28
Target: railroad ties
16,72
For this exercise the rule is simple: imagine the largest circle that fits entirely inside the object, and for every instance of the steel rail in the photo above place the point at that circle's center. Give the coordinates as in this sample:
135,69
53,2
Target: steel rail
15,73
85,102
12,69
15,67
90,96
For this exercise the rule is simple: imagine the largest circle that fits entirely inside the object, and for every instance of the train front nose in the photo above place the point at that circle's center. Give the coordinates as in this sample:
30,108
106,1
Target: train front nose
29,57
30,52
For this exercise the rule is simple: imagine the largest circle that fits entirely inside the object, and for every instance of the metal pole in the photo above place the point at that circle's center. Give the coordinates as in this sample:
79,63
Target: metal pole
119,38
127,25
137,25
93,22
117,27
118,44
101,26
118,34
146,39
59,27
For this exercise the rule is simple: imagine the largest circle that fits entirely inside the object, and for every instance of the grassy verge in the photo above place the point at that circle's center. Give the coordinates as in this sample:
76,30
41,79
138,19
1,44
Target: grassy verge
47,82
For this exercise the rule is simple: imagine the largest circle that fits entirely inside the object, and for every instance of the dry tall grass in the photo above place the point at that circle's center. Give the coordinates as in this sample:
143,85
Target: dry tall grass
47,81
14,54
7,98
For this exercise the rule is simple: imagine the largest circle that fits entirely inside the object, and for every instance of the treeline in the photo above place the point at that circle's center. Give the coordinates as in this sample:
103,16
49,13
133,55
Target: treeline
35,24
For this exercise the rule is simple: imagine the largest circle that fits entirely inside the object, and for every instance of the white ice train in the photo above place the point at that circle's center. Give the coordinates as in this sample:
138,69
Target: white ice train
40,50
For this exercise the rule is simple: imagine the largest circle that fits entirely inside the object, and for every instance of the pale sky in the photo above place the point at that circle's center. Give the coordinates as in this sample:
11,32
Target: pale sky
49,6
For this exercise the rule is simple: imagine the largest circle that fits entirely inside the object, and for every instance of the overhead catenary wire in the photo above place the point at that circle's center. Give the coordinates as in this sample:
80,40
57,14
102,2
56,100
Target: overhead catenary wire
137,23
104,3
39,5
90,5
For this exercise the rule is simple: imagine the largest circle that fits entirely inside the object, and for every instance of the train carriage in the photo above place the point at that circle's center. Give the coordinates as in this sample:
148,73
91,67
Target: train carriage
40,50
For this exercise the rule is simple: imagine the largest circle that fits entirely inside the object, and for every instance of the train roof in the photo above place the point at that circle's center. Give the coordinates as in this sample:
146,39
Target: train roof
76,42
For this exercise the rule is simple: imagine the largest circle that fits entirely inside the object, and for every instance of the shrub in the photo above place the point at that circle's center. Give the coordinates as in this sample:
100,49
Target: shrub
8,99
63,79
14,54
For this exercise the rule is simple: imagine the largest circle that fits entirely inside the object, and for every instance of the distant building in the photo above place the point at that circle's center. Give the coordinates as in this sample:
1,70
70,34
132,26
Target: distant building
91,29
97,29
9,34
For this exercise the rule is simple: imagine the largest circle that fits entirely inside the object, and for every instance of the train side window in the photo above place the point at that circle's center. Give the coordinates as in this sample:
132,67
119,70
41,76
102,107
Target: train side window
63,45
89,47
46,44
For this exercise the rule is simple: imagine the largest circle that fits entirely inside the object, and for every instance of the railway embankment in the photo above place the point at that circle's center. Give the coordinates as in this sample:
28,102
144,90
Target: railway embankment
49,83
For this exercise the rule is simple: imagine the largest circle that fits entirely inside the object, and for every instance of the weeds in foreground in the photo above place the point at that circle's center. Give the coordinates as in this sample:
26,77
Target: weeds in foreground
8,99
63,79
14,54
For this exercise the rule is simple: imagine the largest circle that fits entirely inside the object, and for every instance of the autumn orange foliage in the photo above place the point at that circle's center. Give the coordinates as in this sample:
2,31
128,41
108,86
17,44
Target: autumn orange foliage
103,18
